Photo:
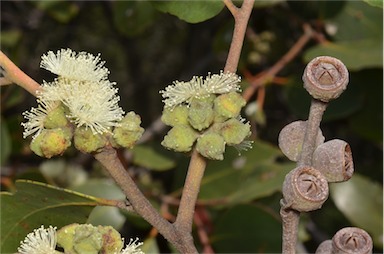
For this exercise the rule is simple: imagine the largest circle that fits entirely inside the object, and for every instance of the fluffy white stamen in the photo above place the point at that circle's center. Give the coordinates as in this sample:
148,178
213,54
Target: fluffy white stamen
40,241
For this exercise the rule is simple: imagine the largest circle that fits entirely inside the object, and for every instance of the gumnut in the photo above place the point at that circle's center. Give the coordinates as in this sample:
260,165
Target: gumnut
52,142
112,242
235,131
325,78
201,114
175,116
351,240
56,118
180,138
88,142
325,247
305,189
129,130
211,145
334,160
291,139
229,105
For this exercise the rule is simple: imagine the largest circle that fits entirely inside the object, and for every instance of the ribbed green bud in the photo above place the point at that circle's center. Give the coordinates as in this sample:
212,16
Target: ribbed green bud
234,131
201,113
112,242
175,116
229,105
129,131
211,145
87,239
65,237
180,138
87,142
56,118
52,142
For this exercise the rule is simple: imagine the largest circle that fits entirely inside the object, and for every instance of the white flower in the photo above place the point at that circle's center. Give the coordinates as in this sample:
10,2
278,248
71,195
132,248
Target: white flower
83,66
181,92
36,117
40,241
132,247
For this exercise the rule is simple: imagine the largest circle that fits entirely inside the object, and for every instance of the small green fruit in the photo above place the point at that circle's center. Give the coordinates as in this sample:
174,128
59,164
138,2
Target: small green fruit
201,114
112,242
180,138
56,118
65,237
129,131
175,116
87,239
87,142
211,145
229,105
234,131
52,142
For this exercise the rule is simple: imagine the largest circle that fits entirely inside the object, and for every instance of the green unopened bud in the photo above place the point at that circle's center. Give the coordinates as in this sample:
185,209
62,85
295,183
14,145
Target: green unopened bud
180,138
112,242
201,113
175,116
52,142
229,105
87,142
56,118
65,237
234,131
87,239
129,131
211,145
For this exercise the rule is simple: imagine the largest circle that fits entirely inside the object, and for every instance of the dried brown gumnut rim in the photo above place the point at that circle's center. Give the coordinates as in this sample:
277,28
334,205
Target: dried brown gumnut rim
305,189
334,160
291,139
325,78
351,240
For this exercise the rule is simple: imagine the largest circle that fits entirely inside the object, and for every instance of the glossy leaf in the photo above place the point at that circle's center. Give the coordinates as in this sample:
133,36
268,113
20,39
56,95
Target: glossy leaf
361,201
190,11
35,204
376,3
148,157
247,229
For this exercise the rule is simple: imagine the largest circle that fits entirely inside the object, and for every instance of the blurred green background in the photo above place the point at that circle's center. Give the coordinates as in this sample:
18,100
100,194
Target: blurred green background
146,48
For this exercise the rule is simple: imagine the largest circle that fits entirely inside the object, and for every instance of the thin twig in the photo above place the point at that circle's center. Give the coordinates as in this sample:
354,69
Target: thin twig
231,7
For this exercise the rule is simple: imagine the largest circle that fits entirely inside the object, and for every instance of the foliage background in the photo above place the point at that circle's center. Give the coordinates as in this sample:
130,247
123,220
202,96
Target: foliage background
146,49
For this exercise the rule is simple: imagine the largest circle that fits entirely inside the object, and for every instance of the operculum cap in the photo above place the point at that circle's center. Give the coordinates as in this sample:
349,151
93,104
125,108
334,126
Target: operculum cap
201,114
56,118
52,142
211,145
175,116
88,142
180,138
228,105
129,131
234,131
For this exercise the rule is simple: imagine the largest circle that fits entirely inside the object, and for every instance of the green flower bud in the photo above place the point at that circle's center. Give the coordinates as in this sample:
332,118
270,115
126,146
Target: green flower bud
211,145
129,131
87,239
112,242
180,138
56,118
52,142
65,237
87,142
201,114
234,131
175,116
229,105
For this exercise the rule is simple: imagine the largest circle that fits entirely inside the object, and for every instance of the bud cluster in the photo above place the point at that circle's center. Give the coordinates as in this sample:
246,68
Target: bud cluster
209,118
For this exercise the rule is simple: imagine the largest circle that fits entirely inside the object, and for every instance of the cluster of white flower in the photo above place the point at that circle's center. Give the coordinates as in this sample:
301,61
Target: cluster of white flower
43,241
83,87
180,92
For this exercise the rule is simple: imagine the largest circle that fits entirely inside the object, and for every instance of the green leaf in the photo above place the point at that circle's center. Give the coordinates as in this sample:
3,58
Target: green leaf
190,11
35,204
148,157
247,229
9,38
361,201
5,141
62,11
376,3
252,175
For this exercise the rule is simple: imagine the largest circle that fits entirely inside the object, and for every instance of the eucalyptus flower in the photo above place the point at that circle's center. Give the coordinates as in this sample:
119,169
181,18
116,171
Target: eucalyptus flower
40,241
180,92
133,247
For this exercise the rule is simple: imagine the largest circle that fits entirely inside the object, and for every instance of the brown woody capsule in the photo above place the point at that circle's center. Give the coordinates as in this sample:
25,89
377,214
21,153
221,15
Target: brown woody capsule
325,247
305,189
351,240
291,139
334,160
325,78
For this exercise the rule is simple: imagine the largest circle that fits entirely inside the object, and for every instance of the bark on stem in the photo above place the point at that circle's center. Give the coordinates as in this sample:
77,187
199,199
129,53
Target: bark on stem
108,158
14,74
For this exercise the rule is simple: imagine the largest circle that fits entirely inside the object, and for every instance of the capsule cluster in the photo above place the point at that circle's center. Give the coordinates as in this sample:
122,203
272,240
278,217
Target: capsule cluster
209,122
